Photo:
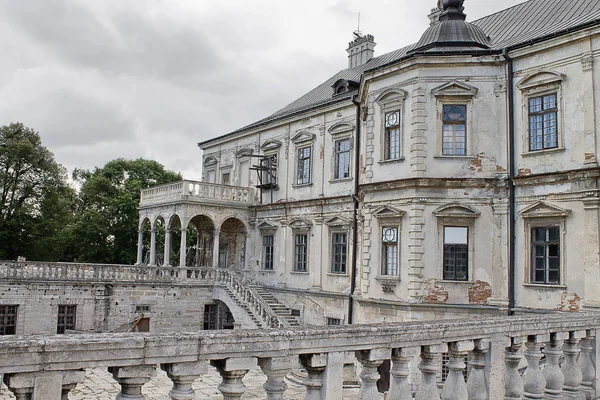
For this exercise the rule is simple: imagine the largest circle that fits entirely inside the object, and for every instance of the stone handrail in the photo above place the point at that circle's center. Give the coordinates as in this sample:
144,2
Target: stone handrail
253,300
493,347
196,190
81,272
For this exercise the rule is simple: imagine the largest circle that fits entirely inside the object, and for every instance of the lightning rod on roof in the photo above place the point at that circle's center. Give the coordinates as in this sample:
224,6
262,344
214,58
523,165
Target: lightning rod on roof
357,32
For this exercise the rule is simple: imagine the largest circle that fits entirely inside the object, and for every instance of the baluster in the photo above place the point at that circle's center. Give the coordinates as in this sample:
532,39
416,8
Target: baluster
233,370
513,382
400,372
370,360
477,383
534,382
573,374
275,369
315,365
552,372
131,380
429,367
183,376
455,387
586,363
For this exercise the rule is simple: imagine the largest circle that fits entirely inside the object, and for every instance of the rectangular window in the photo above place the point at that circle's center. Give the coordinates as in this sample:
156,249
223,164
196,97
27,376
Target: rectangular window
304,156
390,251
66,318
454,131
392,135
543,133
341,159
545,249
456,256
334,321
338,253
8,319
268,175
268,252
301,252
226,179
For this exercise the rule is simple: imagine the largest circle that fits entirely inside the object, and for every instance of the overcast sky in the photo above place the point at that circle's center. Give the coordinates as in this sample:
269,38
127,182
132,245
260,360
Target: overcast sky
102,79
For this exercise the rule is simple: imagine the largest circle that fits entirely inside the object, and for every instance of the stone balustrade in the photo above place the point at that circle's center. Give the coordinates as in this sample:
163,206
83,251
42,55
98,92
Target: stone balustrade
196,191
50,366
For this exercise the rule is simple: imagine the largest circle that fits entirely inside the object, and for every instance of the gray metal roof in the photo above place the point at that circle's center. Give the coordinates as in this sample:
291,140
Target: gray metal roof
517,25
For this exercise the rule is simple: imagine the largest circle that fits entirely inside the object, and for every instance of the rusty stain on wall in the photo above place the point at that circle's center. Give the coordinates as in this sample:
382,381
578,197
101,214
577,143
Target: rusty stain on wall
590,157
480,292
500,169
524,172
435,293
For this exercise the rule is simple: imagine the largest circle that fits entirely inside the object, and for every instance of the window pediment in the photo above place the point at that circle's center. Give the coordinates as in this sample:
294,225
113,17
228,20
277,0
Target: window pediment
392,95
337,221
341,128
210,160
454,210
271,145
245,152
544,210
455,89
387,212
300,223
303,137
540,78
266,226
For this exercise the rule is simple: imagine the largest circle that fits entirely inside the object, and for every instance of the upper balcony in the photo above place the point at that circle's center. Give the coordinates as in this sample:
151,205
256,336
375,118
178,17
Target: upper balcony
200,192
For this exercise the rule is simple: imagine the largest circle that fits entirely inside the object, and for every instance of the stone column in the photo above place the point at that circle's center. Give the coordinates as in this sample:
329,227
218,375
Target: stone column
586,363
167,254
233,370
315,365
552,373
513,382
183,247
131,380
455,387
399,385
43,385
215,260
140,248
370,360
534,382
275,369
152,247
183,376
573,375
429,367
477,382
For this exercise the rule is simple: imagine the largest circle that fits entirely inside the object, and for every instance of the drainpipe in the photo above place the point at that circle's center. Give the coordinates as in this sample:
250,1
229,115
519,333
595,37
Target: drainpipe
355,213
512,206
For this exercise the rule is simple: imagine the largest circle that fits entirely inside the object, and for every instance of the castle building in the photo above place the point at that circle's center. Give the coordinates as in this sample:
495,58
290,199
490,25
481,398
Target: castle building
455,176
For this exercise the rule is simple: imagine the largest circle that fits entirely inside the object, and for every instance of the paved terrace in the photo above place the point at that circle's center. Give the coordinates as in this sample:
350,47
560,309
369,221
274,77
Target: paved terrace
49,367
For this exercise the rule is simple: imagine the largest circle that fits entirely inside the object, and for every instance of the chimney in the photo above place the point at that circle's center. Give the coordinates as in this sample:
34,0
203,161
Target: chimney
361,49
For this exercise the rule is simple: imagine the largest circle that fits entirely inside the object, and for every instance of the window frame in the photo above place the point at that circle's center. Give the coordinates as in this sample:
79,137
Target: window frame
336,158
546,243
265,254
454,124
539,84
9,320
388,217
343,270
383,269
297,234
455,245
299,159
389,101
543,112
460,216
62,325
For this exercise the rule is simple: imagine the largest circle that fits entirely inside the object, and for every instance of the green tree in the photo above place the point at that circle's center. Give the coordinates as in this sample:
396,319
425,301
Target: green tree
35,199
106,221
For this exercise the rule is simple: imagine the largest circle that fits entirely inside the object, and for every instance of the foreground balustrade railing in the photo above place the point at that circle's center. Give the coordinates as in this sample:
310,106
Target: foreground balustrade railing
53,365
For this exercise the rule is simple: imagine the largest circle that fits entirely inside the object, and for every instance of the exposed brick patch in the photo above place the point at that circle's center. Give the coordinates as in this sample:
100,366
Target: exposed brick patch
500,169
480,292
524,172
476,164
590,157
435,293
570,302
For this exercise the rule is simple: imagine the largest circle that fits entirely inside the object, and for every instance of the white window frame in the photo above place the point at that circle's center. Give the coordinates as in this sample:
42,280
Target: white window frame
539,84
338,132
303,140
387,217
391,100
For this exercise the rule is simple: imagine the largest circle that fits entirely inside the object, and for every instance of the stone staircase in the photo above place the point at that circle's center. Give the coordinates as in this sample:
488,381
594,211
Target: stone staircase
280,309
244,306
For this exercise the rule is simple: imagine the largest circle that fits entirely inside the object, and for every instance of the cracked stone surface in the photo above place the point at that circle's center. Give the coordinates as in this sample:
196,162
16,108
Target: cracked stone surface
100,385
